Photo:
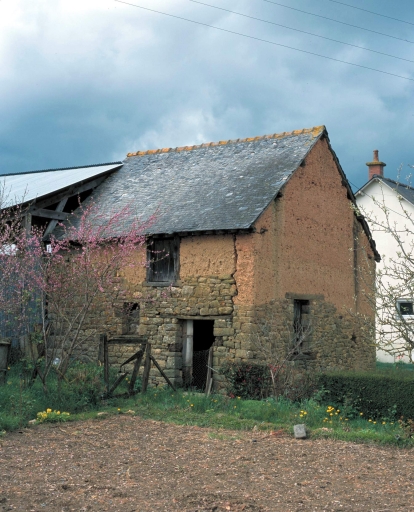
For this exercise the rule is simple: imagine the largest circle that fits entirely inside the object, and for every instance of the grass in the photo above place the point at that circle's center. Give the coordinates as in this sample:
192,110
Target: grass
20,403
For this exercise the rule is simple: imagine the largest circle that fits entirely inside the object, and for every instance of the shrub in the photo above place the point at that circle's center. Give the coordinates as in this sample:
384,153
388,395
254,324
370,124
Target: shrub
375,394
247,380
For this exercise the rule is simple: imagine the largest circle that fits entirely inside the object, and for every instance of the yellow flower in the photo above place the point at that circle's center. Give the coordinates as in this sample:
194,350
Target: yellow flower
361,413
48,410
191,405
384,423
58,412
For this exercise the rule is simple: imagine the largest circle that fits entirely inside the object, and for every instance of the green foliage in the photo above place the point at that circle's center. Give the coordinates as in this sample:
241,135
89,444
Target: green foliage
253,381
50,416
21,399
378,395
247,380
84,385
20,403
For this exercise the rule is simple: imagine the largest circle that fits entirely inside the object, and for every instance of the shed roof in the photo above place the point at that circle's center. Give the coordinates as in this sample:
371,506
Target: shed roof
25,187
216,186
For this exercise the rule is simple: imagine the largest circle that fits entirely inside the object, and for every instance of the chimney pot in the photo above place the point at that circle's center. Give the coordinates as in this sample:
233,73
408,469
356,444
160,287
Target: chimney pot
375,155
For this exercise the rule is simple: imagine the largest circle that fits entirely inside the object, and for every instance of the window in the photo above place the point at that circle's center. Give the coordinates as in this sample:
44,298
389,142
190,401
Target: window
130,318
163,260
301,327
405,307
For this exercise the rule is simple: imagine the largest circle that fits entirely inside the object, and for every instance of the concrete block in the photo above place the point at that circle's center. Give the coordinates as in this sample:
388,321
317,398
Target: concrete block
300,431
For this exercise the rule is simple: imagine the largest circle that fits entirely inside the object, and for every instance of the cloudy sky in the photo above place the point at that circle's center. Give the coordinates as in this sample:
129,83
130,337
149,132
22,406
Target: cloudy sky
85,82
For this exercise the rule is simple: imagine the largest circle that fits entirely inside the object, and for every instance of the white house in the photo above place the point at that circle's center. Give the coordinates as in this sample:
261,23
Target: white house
389,210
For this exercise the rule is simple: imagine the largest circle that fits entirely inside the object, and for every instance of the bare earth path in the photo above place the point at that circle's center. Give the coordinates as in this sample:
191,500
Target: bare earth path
128,464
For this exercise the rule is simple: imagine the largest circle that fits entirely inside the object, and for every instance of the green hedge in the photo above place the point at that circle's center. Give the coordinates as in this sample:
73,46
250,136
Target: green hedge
247,380
378,395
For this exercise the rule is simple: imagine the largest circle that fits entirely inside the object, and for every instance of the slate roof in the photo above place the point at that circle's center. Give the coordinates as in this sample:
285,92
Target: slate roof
403,190
215,186
28,186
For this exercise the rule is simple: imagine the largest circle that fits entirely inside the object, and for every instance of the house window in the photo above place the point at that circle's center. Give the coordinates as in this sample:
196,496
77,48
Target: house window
163,260
301,327
405,307
130,318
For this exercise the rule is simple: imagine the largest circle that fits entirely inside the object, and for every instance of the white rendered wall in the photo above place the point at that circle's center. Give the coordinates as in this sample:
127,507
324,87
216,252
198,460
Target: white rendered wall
387,246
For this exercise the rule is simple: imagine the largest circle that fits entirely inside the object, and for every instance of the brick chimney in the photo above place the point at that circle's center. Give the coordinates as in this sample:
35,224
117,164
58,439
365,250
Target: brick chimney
375,167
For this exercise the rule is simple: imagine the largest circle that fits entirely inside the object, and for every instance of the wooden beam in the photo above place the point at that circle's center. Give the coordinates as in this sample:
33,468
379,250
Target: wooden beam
49,214
70,191
147,367
53,223
195,317
162,373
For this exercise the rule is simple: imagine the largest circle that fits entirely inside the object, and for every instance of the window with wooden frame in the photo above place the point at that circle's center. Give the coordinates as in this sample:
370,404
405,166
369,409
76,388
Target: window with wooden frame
163,260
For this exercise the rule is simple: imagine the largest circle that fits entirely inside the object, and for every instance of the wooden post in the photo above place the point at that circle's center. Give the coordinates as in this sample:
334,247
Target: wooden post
162,373
209,380
118,381
104,341
147,367
135,371
188,354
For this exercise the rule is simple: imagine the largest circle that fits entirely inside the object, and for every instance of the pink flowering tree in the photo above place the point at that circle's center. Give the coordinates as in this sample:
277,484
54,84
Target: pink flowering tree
57,285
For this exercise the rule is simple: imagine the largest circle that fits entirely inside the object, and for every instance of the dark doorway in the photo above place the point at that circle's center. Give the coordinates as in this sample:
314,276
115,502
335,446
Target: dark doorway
203,341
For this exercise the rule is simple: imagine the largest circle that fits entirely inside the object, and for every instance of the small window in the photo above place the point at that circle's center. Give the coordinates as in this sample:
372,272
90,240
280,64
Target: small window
130,318
163,260
405,307
301,327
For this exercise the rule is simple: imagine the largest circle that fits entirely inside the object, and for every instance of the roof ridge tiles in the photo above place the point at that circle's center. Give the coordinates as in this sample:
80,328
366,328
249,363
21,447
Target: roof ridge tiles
316,131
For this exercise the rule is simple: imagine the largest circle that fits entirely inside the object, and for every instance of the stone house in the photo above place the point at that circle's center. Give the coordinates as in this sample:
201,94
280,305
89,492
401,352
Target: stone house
249,233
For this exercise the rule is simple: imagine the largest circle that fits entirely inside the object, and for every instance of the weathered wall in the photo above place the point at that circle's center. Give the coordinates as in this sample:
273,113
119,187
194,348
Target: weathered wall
209,255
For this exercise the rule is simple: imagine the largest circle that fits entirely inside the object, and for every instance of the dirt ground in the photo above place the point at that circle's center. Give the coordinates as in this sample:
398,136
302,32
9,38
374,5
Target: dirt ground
125,463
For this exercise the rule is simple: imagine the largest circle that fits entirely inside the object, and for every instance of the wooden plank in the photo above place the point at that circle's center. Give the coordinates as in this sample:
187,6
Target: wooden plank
147,367
135,371
134,357
118,381
128,340
162,373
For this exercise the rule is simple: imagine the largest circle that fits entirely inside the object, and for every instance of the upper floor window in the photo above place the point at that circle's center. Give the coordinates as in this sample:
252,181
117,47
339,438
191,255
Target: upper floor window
163,260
